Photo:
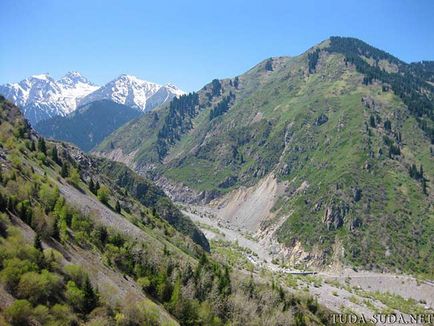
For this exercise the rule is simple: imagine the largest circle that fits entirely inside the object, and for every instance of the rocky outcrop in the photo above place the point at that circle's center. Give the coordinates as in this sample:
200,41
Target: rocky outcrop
357,194
179,192
118,155
228,182
321,120
355,223
334,215
296,255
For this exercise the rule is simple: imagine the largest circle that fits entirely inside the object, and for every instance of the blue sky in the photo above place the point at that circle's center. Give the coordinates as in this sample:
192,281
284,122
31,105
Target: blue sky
189,43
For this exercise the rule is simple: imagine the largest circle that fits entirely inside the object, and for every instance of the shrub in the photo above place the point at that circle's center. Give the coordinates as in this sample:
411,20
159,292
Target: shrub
53,258
42,314
74,178
103,194
19,312
48,196
12,271
76,274
63,315
75,296
39,288
144,283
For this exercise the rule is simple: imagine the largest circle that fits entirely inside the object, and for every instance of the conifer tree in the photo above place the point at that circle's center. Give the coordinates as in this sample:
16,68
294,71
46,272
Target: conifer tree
54,155
216,87
372,121
269,65
387,125
92,186
64,171
90,297
118,207
424,187
37,242
42,147
236,82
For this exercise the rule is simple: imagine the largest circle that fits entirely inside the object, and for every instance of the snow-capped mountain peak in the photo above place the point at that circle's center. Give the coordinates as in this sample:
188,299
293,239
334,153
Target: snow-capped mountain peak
41,97
174,89
73,78
40,76
134,92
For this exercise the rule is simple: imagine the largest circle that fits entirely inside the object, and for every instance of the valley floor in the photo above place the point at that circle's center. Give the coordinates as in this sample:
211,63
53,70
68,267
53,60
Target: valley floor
343,291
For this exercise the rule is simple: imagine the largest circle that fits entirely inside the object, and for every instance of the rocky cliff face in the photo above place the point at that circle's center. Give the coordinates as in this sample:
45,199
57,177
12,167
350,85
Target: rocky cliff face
334,215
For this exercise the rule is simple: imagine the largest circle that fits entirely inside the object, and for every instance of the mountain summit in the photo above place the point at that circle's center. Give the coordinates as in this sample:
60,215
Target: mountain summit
134,92
73,78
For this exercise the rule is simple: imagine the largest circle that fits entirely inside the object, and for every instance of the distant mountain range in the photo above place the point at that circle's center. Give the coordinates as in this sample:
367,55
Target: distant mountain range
40,97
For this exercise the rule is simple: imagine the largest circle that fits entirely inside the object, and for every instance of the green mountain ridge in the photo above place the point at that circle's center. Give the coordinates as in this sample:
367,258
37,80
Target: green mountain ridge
351,123
88,125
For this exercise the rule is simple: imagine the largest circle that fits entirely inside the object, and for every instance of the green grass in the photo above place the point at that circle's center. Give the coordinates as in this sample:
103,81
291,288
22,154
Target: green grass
201,174
316,281
211,228
394,301
232,254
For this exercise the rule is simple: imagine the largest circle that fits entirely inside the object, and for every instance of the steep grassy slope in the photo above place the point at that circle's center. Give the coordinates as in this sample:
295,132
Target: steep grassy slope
349,122
88,125
87,241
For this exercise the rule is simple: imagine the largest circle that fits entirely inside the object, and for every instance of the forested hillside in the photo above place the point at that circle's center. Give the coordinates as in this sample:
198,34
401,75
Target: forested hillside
87,126
109,248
